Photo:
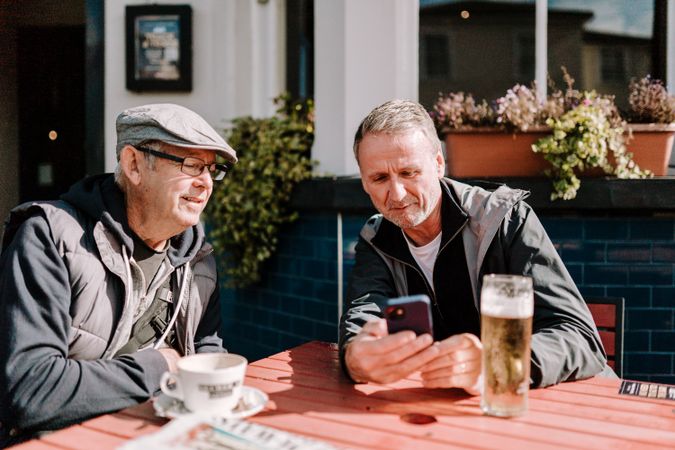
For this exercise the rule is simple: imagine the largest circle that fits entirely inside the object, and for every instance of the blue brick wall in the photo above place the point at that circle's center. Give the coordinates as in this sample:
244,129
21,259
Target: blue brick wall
633,258
630,257
296,301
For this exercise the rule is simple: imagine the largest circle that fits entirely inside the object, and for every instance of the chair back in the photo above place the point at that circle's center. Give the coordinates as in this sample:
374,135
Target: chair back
608,314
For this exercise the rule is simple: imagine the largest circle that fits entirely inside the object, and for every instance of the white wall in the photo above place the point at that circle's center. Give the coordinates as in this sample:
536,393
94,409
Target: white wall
365,54
238,62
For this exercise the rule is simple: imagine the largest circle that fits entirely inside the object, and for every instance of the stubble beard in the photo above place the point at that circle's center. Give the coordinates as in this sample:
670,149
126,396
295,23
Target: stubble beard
411,217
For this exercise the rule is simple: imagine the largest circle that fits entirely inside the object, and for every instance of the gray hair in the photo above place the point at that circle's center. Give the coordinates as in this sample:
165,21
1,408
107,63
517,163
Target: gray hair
397,117
120,178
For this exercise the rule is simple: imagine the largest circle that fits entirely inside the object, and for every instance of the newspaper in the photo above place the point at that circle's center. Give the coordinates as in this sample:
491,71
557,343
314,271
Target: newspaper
649,390
195,432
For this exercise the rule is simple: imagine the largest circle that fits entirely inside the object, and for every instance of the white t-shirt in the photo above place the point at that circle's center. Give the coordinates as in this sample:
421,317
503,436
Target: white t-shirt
426,256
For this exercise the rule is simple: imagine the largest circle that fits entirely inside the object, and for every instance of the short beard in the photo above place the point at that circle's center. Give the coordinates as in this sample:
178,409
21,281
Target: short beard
408,220
414,219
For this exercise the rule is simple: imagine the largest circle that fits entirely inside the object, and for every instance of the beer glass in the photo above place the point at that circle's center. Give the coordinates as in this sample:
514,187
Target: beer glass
506,305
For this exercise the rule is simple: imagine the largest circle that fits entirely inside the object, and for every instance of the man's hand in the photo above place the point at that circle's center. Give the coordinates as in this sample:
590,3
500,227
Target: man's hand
171,356
458,364
375,355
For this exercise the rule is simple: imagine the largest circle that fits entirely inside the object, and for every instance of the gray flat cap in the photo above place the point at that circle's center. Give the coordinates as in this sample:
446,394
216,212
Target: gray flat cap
172,124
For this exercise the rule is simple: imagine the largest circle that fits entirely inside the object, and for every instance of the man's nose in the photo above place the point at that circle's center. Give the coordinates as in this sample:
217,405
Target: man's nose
397,191
204,179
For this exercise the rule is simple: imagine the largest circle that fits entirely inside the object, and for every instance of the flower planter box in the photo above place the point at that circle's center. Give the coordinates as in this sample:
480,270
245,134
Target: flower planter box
652,145
490,152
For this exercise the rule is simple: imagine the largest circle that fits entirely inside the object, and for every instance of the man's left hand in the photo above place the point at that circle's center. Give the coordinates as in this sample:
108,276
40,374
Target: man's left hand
171,356
457,366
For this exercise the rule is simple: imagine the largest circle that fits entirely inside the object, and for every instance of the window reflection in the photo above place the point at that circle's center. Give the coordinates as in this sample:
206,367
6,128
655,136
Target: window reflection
436,62
602,43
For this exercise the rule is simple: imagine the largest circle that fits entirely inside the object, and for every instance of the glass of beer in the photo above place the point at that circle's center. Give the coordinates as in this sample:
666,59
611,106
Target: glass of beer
506,306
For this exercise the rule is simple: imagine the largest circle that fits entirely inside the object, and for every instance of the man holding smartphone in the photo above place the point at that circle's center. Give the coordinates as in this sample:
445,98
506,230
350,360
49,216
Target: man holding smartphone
438,237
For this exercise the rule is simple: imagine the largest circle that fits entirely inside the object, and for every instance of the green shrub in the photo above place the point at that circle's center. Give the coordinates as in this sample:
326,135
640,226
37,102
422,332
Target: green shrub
250,205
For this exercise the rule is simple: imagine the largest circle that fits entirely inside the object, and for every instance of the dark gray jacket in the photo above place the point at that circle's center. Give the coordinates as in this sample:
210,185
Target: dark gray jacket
68,292
502,235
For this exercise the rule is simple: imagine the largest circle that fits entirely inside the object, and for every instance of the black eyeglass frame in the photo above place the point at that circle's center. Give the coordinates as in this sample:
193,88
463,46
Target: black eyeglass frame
217,171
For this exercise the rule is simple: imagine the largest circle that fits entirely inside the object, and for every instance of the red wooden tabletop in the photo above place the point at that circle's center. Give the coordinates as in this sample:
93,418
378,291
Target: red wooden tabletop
310,396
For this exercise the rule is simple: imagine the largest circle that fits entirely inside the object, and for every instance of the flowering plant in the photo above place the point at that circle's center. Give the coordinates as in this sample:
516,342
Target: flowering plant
459,110
520,108
587,129
650,102
584,137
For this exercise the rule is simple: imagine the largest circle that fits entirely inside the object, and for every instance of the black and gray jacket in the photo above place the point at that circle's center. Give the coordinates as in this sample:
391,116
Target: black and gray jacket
500,234
69,289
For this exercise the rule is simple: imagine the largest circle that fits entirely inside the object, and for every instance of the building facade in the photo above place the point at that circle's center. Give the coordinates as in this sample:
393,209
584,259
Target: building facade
63,81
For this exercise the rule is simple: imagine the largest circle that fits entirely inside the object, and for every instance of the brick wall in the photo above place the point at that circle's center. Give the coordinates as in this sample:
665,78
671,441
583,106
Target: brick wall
297,299
633,258
630,257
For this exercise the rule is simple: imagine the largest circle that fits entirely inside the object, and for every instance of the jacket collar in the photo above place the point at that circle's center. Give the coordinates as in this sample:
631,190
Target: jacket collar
389,237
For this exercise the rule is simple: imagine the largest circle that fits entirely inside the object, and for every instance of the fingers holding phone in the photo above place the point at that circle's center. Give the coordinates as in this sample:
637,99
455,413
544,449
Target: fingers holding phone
375,355
458,364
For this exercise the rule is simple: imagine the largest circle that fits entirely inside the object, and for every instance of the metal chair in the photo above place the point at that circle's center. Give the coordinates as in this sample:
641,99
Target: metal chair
608,315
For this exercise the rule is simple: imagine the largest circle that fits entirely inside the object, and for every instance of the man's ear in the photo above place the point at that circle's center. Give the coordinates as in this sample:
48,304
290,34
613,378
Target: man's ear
129,162
440,164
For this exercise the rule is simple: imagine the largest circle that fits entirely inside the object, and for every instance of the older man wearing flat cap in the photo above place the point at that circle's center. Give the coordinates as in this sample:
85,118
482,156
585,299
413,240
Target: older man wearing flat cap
103,290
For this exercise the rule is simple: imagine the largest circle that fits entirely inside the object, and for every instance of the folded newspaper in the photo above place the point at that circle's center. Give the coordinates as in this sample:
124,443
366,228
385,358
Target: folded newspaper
192,431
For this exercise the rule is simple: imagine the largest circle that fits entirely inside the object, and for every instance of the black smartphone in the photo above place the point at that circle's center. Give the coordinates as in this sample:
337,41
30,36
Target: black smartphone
412,312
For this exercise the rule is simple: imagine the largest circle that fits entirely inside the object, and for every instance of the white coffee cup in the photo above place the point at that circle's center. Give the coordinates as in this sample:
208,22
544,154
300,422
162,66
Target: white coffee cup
209,382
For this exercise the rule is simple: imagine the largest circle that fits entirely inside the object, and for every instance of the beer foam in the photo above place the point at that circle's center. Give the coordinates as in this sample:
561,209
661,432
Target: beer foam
496,305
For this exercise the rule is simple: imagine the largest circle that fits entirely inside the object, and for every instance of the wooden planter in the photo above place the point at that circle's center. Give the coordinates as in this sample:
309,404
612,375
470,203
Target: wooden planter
652,145
489,152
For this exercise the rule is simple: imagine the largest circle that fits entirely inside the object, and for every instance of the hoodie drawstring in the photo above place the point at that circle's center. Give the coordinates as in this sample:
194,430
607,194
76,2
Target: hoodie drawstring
176,311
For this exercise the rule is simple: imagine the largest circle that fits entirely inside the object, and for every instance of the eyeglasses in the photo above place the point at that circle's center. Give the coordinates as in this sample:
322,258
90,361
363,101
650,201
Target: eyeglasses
190,165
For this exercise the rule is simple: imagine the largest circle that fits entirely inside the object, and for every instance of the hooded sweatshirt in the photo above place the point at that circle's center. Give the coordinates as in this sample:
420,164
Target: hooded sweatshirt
68,292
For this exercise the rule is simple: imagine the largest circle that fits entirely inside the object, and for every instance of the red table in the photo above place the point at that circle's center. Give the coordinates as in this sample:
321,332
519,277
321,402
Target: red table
310,396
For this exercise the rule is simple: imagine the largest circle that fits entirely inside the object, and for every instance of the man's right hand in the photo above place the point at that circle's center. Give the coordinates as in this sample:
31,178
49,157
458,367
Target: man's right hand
375,355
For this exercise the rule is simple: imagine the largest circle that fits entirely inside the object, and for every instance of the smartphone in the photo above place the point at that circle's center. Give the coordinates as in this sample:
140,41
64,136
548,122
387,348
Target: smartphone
412,312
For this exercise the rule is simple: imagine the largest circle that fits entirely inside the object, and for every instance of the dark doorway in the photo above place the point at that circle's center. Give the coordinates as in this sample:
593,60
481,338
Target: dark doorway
300,48
51,110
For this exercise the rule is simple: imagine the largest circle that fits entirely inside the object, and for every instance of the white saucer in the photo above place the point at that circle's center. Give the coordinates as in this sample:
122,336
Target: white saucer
252,402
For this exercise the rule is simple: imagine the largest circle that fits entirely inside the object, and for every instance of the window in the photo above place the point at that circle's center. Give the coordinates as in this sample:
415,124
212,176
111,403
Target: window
300,48
612,64
435,56
492,44
524,58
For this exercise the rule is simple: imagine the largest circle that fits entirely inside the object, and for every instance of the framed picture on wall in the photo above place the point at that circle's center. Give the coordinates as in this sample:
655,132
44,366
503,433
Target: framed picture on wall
159,47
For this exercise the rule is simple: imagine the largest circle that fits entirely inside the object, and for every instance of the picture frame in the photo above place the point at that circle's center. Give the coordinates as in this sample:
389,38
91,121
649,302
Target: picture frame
159,48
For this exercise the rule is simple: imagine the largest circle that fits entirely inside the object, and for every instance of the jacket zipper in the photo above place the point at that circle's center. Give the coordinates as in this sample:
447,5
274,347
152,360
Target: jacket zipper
430,291
198,257
192,262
